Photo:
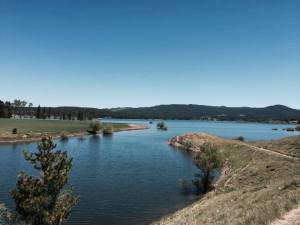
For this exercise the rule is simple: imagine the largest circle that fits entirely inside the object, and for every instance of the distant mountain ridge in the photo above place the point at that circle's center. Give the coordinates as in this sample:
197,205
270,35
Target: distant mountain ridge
174,111
181,111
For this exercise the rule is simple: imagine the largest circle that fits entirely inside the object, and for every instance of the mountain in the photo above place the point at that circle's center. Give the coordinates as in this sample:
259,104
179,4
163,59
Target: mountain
174,111
180,111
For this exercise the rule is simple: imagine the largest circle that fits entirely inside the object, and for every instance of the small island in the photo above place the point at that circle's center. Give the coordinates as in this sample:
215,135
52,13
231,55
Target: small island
161,126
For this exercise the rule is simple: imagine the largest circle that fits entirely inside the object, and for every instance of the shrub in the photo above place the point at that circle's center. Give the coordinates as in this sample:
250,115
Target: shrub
161,126
290,129
40,200
64,137
108,130
208,160
95,126
14,131
239,138
297,128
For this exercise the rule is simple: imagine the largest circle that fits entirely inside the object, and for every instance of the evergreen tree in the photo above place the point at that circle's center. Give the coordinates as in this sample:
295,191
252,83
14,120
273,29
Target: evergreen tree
5,109
40,200
38,112
44,116
49,113
2,110
79,115
69,116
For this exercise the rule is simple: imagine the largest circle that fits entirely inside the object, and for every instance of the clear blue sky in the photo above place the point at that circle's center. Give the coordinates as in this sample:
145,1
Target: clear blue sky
148,52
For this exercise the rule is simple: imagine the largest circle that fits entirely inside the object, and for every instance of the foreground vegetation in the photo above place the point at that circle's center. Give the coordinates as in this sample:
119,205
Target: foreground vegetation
256,187
42,199
32,129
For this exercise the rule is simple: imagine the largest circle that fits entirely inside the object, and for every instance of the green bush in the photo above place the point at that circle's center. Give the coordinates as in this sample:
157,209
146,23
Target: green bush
161,126
14,131
95,126
239,138
108,130
290,129
43,200
208,160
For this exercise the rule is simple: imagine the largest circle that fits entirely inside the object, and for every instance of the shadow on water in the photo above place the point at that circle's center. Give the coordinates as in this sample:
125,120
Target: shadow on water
108,136
194,186
94,142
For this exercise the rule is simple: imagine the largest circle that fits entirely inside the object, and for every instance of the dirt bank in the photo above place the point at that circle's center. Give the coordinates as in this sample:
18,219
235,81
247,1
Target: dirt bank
259,186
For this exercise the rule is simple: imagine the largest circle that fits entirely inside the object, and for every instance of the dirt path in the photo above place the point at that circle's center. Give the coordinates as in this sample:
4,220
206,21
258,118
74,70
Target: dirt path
290,218
271,152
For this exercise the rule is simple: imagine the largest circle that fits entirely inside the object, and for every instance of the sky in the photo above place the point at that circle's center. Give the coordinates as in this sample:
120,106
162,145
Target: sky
131,53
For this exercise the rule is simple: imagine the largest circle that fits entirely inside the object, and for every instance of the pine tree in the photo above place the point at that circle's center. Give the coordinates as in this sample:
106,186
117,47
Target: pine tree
9,111
79,115
44,116
38,112
69,116
40,200
2,109
49,113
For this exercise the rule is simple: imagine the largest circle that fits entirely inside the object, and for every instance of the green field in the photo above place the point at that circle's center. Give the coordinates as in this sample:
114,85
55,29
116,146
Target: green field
34,127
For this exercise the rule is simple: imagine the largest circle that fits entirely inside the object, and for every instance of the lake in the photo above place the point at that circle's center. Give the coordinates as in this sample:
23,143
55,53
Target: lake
132,177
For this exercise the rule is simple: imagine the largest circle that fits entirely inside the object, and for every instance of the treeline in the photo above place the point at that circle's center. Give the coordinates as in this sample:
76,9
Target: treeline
9,109
22,109
63,113
276,113
5,109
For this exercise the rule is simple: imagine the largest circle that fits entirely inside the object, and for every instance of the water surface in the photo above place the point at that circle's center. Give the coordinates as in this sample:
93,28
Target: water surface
132,177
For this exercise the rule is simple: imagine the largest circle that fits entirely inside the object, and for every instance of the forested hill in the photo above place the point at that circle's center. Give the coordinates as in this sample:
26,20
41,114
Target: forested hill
174,111
276,112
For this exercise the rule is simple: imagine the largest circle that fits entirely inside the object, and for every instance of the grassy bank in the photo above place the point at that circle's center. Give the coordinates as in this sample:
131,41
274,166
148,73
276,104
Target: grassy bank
31,129
257,186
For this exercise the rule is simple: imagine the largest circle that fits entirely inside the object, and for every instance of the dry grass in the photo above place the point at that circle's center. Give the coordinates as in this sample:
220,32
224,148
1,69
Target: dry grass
288,146
256,188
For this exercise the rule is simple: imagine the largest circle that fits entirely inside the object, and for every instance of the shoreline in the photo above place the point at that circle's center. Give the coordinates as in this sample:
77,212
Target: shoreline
21,140
249,179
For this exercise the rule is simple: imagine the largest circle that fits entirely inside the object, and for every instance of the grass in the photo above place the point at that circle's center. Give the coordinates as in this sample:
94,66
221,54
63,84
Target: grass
289,146
35,128
256,188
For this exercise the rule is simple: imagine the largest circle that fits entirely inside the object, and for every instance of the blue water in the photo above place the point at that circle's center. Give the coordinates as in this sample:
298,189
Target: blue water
132,177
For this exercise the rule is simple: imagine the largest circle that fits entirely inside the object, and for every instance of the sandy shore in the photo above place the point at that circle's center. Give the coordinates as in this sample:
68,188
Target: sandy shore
27,139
